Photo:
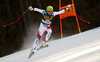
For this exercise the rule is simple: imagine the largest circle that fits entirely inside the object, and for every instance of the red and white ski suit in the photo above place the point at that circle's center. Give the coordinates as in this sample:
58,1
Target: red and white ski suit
45,25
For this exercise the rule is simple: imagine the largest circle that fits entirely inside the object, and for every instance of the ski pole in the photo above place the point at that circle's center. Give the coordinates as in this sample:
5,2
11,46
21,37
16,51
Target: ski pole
17,19
83,20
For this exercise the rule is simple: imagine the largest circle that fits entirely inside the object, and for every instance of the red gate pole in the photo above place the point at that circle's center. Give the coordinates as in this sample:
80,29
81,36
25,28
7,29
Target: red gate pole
60,19
76,18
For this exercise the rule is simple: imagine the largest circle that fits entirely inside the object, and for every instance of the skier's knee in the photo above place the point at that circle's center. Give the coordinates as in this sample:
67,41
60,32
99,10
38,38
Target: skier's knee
38,35
50,31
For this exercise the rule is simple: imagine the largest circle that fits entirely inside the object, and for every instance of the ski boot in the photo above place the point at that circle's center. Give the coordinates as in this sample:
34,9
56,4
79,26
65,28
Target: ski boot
31,53
32,50
43,44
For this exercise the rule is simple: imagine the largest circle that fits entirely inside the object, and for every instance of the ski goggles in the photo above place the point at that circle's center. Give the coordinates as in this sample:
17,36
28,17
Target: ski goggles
50,11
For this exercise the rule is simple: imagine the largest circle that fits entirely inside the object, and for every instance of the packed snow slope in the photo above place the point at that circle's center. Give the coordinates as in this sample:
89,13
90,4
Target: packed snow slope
82,47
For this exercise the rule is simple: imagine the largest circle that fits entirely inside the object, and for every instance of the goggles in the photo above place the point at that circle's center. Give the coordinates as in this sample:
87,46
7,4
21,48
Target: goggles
50,11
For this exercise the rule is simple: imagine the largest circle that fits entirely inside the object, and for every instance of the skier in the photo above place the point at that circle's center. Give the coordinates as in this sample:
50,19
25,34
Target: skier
48,15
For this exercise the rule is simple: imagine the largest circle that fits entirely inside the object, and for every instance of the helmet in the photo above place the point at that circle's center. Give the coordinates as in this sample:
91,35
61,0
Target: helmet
49,8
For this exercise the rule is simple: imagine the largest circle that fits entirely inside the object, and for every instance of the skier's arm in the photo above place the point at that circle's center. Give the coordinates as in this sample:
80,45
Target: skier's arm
36,9
59,12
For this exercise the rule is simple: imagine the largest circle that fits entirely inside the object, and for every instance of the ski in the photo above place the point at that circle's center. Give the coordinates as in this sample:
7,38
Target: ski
30,55
42,47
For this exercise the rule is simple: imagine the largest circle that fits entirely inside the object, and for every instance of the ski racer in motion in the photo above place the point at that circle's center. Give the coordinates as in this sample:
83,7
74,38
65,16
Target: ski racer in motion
48,15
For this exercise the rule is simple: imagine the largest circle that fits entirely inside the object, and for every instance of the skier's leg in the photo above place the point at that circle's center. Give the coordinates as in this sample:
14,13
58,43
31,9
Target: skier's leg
39,34
35,43
48,31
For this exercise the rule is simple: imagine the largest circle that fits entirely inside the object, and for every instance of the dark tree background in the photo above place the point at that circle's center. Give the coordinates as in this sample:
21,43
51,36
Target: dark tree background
11,37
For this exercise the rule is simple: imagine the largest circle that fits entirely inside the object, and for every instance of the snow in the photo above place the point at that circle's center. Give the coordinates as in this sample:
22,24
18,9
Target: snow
82,47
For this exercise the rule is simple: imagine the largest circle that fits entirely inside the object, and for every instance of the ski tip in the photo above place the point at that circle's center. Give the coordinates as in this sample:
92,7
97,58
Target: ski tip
28,57
31,55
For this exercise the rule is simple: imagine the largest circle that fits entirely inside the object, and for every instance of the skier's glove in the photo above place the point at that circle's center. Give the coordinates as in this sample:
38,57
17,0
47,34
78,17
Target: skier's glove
68,7
30,8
